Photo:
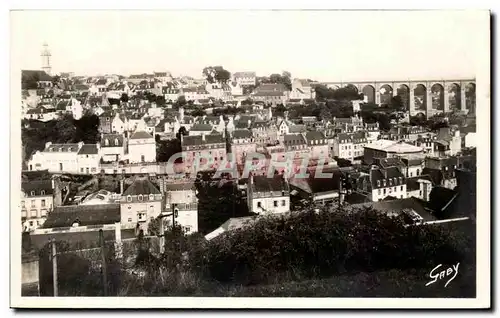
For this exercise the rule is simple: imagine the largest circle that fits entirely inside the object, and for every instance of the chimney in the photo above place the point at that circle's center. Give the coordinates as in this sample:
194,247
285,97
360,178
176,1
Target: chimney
122,181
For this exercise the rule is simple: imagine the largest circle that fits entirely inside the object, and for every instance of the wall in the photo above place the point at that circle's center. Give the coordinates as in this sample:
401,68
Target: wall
142,147
129,213
268,204
395,191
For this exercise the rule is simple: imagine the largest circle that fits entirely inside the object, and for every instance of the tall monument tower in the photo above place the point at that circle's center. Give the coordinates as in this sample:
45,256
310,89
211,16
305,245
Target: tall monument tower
46,59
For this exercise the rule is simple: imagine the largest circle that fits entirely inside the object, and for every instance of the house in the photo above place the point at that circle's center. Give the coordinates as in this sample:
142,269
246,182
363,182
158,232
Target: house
119,124
419,187
99,87
350,124
426,142
141,147
301,89
372,131
318,145
141,202
414,165
112,147
170,92
447,143
41,113
80,218
242,143
56,158
380,183
268,195
295,146
270,97
412,209
219,91
88,159
37,201
106,123
245,78
180,199
200,129
389,148
349,145
195,93
264,132
163,77
316,189
469,136
218,123
204,152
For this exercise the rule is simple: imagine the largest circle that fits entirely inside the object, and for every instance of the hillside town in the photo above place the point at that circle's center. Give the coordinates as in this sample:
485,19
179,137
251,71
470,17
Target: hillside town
131,156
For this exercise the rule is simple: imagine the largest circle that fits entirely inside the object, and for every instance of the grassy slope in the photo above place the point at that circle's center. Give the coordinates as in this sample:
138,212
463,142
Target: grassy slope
390,283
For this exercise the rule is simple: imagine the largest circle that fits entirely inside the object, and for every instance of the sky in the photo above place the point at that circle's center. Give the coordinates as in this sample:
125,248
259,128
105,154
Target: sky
320,45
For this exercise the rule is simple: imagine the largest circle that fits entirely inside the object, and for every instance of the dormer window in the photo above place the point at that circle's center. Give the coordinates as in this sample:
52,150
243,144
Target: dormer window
106,142
60,149
151,197
139,197
70,149
42,192
378,183
129,198
400,179
116,141
32,193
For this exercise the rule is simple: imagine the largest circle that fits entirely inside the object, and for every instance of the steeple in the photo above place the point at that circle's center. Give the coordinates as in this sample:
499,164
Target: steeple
45,55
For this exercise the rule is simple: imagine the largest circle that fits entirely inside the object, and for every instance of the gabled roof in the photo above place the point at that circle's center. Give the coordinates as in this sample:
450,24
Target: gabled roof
412,183
111,138
37,186
66,216
141,186
290,139
141,135
315,135
242,134
35,74
90,149
62,148
265,184
201,127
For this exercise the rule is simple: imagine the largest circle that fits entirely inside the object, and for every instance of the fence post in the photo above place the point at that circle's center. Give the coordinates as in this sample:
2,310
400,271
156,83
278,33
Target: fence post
54,267
104,265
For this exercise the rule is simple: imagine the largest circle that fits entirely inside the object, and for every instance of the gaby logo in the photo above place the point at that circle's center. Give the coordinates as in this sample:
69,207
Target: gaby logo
436,275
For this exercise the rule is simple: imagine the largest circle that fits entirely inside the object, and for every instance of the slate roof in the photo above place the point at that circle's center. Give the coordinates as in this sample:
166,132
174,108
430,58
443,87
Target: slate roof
297,128
37,186
242,134
62,148
392,175
440,198
291,140
265,184
111,140
90,149
141,186
397,206
141,135
201,127
40,75
412,183
65,216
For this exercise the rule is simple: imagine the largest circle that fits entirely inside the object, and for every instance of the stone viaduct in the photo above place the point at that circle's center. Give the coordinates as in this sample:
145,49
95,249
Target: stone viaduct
428,97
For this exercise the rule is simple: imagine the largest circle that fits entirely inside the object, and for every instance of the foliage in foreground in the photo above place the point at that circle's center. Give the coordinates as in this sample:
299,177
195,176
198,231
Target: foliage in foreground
284,251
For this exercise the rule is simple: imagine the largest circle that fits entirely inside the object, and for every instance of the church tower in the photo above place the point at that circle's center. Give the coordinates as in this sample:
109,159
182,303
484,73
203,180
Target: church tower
46,59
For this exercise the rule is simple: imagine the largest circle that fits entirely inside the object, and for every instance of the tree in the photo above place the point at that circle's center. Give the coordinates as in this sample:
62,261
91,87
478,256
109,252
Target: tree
280,110
166,149
198,112
181,101
182,131
397,103
124,98
216,74
160,100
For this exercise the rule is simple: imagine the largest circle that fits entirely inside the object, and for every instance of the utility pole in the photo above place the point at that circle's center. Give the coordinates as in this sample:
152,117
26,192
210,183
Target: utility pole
54,267
104,265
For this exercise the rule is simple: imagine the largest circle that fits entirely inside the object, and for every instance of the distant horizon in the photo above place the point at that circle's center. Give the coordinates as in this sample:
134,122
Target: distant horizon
326,46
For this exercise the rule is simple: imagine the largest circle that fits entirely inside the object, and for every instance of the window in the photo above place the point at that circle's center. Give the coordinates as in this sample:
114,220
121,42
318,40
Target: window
33,213
129,220
401,188
259,204
32,203
283,202
141,216
139,197
129,198
275,204
379,192
43,203
384,191
31,223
